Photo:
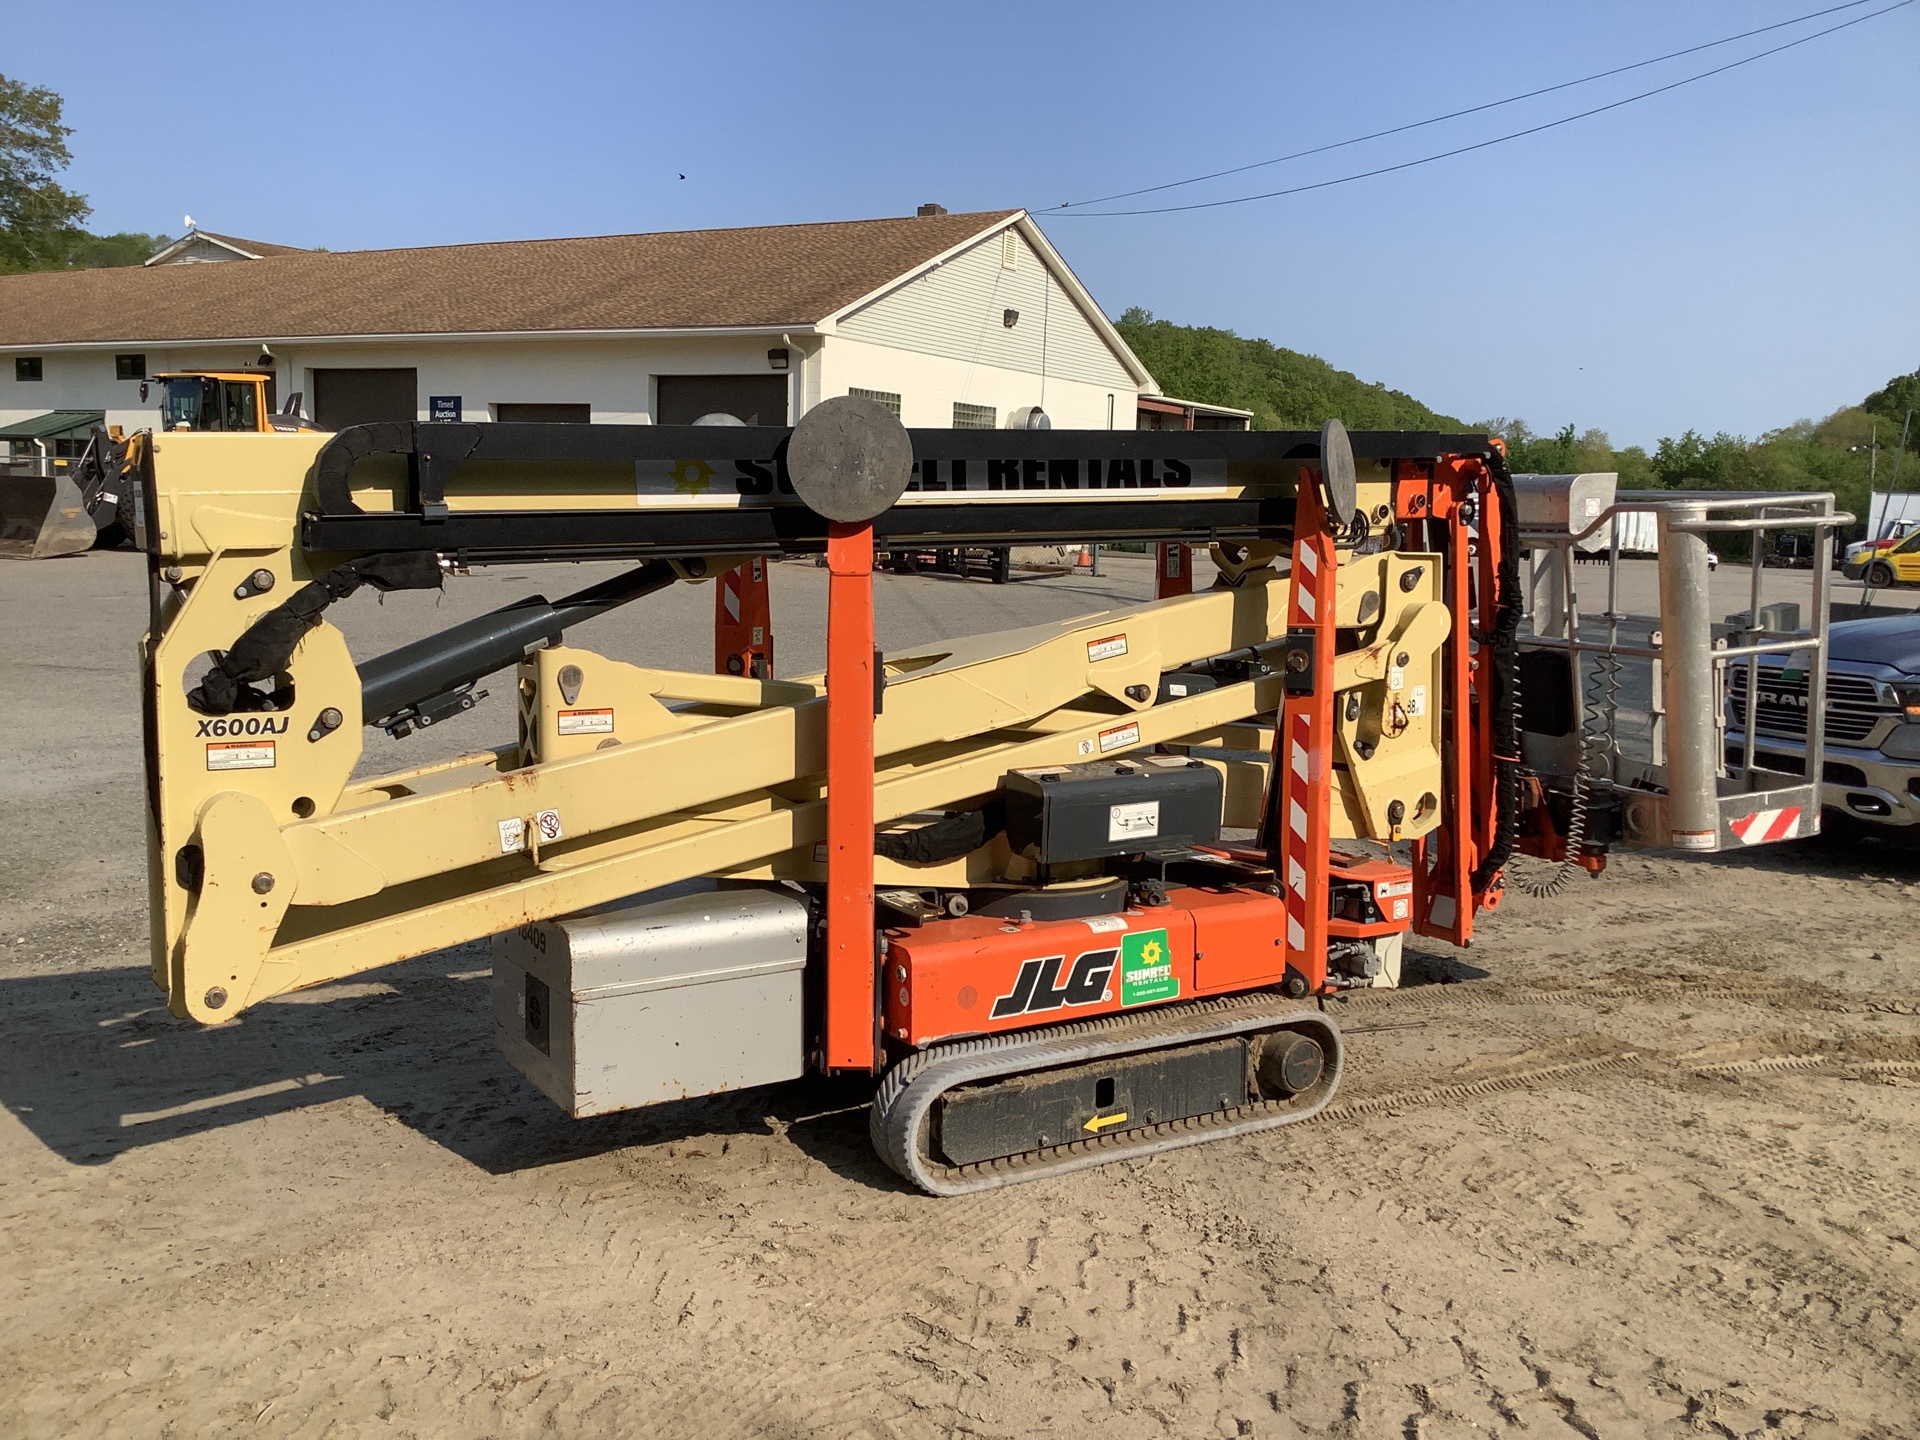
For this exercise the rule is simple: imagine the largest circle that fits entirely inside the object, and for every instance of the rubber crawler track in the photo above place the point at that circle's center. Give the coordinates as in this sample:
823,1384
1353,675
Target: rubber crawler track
903,1104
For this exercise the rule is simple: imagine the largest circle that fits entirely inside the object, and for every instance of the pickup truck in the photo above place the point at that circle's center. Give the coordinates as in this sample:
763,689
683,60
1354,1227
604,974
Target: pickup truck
1872,768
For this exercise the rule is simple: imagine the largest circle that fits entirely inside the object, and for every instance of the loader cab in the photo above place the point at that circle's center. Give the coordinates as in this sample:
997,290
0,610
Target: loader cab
216,400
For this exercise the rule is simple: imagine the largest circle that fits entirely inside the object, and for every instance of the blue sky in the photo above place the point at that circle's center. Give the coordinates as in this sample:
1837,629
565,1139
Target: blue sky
1734,255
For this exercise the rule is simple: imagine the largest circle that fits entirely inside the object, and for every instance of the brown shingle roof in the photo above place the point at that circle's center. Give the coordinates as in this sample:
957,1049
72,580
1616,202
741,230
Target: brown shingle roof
764,275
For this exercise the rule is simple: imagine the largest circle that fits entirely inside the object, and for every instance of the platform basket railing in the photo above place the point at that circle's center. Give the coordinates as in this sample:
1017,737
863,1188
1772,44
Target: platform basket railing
1683,790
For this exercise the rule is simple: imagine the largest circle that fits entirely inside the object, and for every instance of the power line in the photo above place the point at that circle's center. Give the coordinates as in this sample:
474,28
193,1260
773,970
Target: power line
1456,114
1064,212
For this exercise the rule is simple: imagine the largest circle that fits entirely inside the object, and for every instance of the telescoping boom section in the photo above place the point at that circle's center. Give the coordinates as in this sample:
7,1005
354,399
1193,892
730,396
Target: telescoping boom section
1070,892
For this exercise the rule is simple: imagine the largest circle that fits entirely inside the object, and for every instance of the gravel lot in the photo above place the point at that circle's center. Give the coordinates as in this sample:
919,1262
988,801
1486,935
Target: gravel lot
1645,1162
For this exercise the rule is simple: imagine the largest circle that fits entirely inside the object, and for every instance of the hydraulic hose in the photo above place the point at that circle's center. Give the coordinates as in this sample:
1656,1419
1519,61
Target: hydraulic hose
945,839
266,646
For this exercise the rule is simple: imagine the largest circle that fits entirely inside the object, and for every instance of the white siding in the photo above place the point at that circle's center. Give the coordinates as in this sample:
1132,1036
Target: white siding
928,386
615,377
72,381
957,311
202,251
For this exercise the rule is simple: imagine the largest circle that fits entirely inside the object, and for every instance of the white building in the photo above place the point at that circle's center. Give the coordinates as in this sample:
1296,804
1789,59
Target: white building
967,320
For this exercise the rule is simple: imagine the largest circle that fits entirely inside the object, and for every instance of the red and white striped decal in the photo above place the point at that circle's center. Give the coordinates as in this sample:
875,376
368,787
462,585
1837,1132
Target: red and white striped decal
1306,580
1763,827
1299,737
1299,745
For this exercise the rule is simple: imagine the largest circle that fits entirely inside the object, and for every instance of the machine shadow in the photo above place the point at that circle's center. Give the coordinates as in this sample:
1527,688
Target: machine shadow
1436,967
1843,850
95,1068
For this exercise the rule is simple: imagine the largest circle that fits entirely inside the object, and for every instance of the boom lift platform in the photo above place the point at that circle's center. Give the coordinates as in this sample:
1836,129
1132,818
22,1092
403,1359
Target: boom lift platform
1073,892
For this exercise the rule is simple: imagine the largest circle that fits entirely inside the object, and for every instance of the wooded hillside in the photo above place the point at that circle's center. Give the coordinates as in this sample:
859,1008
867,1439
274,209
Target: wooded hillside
1284,389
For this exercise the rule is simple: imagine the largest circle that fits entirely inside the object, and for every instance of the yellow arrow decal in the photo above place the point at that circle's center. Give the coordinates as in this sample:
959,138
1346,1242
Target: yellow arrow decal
1101,1122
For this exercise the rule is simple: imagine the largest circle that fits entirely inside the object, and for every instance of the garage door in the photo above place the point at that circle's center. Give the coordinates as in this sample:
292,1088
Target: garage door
362,397
756,399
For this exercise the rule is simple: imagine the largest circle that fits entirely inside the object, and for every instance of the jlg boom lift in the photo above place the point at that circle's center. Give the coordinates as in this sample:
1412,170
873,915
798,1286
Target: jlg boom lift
1071,893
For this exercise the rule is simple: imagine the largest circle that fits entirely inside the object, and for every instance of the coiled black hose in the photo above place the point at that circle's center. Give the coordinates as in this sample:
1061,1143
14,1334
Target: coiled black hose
1502,654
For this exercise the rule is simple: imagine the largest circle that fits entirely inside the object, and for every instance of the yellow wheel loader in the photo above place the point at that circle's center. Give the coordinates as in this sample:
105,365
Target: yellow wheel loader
50,508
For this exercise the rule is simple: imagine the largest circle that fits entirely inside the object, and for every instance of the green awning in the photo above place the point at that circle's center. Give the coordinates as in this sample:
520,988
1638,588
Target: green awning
55,425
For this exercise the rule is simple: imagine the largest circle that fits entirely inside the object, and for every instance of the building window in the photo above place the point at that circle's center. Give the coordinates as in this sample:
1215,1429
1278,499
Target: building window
884,398
1009,250
129,367
26,367
973,417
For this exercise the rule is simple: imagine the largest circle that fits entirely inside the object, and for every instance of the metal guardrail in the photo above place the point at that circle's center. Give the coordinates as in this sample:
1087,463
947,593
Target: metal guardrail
1685,794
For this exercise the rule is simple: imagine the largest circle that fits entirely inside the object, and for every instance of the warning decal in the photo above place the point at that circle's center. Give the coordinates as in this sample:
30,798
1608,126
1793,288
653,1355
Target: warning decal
1137,821
1110,648
240,755
1763,827
1120,737
586,722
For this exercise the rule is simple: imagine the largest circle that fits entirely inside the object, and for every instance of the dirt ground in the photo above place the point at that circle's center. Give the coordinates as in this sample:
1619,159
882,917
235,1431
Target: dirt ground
1643,1162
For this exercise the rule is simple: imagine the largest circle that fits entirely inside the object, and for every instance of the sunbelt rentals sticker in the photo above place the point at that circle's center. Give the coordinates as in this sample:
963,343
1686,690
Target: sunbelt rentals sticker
1146,968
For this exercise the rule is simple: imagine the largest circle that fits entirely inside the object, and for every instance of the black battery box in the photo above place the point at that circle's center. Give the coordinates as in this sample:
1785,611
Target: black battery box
1111,807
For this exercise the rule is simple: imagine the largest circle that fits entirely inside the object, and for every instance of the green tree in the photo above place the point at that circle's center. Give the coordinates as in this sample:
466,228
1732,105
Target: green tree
1593,451
1892,402
1693,462
1566,452
39,220
1635,469
106,252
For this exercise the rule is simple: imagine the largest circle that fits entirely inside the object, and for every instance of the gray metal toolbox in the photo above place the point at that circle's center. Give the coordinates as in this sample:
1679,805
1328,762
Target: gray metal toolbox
654,998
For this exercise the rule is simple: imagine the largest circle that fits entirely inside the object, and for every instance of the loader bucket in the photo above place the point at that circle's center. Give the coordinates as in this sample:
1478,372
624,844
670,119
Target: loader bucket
42,516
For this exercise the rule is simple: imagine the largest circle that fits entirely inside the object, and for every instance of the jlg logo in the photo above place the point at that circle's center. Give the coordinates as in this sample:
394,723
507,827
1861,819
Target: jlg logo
1037,988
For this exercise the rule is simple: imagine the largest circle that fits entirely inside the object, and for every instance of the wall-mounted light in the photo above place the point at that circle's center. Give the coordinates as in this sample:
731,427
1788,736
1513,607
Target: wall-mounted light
777,358
1009,318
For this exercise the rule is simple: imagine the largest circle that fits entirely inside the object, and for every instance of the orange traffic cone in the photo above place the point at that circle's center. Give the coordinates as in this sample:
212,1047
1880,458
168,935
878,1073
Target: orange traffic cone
1085,562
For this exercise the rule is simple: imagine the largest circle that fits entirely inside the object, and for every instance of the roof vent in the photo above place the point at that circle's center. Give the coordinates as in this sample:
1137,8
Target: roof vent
931,210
